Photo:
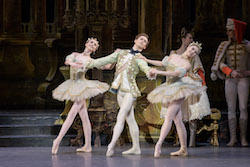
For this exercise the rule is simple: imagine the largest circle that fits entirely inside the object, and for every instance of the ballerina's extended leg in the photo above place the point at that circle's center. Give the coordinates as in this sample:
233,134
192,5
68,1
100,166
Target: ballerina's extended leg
182,133
86,128
172,110
66,125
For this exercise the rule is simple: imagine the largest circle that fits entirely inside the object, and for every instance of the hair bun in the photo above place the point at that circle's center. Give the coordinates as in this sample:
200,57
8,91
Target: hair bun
183,32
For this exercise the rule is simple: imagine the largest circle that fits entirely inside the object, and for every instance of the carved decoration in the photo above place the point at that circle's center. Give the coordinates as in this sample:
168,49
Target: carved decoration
214,116
81,18
209,20
68,20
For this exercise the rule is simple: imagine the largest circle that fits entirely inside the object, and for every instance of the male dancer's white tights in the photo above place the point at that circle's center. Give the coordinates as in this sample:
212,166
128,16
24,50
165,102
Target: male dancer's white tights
126,113
238,87
233,88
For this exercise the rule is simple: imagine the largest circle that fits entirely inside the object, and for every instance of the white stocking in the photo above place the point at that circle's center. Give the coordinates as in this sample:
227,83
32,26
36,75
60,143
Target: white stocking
231,97
86,128
134,133
172,110
125,101
243,91
182,133
66,125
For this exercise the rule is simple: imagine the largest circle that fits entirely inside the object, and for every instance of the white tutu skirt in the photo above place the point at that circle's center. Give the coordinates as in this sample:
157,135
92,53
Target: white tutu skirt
166,93
77,90
195,107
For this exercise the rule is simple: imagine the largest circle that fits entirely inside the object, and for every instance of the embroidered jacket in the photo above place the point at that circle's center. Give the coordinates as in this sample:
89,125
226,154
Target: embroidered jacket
132,67
229,57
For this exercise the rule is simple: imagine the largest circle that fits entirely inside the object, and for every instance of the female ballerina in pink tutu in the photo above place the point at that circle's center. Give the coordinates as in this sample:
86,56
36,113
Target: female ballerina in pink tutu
77,89
172,94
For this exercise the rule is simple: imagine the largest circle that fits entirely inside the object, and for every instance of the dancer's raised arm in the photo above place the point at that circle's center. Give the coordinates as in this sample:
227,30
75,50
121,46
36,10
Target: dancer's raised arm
153,62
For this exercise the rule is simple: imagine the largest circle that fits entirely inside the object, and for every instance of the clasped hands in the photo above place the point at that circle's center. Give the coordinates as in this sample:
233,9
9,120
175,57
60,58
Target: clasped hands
153,72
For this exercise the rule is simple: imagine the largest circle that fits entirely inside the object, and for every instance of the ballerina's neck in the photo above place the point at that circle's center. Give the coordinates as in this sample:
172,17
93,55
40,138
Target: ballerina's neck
87,54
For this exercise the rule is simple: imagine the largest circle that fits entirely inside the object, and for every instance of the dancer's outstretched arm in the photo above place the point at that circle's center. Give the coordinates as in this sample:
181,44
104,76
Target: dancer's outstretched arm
181,71
143,65
153,62
108,66
101,62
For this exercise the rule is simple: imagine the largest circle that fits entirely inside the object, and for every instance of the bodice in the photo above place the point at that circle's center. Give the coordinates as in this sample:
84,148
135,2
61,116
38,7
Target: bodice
171,67
170,80
77,73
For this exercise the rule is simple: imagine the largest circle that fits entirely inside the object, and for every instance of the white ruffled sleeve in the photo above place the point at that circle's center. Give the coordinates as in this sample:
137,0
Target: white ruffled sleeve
70,57
165,61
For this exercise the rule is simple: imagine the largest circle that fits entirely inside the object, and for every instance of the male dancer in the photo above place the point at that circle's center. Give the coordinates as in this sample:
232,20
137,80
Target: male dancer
232,56
127,68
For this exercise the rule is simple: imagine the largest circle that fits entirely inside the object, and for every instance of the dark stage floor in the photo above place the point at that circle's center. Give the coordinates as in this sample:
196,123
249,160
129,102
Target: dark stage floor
203,156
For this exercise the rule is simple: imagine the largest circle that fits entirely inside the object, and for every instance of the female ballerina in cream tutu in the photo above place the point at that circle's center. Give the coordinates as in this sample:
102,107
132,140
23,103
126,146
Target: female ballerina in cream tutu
195,75
172,94
77,89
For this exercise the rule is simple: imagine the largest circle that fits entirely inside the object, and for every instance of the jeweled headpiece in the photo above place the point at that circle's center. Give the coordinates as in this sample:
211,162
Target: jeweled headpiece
196,44
95,39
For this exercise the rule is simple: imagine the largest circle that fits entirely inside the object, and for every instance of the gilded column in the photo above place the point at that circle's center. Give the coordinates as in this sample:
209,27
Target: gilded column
141,15
150,22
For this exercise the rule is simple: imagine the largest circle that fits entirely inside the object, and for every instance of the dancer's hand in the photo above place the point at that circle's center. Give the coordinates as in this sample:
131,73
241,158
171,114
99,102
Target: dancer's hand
154,71
76,64
117,50
236,74
244,73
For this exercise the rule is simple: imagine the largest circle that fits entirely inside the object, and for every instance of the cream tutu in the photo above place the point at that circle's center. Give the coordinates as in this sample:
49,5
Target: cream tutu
195,107
77,90
78,87
174,88
166,93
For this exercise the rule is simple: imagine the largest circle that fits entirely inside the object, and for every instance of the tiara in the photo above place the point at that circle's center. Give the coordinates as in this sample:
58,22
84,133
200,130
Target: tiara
95,39
196,44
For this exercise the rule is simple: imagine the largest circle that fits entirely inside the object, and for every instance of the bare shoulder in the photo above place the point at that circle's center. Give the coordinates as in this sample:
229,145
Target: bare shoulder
172,52
187,66
118,50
